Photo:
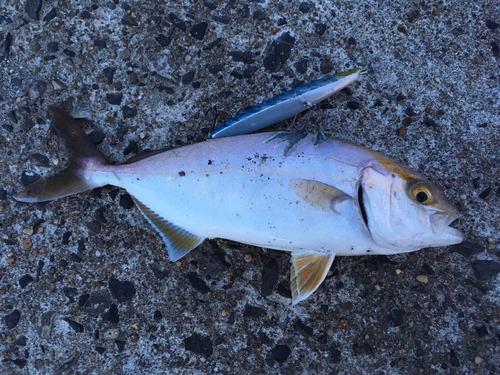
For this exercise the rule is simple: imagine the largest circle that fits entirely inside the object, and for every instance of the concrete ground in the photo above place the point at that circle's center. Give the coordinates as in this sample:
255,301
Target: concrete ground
85,281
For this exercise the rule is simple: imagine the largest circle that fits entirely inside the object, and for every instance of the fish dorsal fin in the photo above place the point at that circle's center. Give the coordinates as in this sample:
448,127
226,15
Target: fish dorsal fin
290,138
319,195
307,273
179,241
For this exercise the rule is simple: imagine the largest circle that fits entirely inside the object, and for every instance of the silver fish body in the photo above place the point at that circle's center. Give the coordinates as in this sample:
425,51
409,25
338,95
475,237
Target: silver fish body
286,105
316,200
247,191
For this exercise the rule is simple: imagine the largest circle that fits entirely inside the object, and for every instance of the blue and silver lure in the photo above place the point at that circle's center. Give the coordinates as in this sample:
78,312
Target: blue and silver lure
286,105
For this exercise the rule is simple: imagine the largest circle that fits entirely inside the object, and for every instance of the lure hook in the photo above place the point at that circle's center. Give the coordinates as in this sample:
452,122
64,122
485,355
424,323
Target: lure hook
215,113
311,107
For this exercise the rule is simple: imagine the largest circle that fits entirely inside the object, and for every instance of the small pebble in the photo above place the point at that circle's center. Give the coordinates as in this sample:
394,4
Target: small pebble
304,7
353,105
398,272
224,314
126,54
422,279
248,258
188,58
492,25
39,364
199,30
402,131
28,231
134,338
343,323
111,334
133,78
478,360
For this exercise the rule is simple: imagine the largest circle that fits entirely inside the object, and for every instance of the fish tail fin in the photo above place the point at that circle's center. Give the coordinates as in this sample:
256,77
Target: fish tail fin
71,180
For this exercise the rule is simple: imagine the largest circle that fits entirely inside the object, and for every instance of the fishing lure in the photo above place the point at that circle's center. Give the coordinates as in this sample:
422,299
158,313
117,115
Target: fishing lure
286,105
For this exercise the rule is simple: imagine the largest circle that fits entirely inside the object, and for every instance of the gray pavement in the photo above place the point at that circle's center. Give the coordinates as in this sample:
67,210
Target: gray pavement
85,283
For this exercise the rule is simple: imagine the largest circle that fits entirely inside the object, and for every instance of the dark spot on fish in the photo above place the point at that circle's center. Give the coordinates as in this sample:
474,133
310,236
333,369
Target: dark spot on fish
182,173
210,162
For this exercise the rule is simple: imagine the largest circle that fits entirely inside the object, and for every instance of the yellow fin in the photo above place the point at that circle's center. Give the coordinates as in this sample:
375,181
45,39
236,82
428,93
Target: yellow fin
319,195
307,273
179,241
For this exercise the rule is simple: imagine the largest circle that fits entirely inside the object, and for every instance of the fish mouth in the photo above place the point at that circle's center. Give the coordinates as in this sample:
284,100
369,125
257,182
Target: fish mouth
452,232
454,235
441,222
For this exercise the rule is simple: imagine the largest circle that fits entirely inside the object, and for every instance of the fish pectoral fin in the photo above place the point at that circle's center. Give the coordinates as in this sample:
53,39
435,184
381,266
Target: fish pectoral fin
319,195
179,241
307,273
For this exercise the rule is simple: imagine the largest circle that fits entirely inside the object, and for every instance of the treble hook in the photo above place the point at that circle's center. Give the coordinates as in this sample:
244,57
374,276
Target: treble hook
215,115
310,106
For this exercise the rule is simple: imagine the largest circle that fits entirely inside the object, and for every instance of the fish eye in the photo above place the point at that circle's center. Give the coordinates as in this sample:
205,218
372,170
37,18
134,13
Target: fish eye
421,193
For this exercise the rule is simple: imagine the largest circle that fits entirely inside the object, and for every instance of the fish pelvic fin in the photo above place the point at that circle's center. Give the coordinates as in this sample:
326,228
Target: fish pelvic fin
307,273
179,241
319,195
71,180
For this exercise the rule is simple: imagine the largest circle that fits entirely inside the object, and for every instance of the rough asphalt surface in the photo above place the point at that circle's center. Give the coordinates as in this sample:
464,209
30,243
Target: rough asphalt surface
85,282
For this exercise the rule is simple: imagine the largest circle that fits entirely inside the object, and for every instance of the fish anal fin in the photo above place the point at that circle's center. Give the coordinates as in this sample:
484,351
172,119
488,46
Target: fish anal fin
318,195
307,273
179,241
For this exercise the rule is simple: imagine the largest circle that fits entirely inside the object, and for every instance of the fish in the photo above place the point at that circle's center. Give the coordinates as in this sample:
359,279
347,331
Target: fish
286,105
298,192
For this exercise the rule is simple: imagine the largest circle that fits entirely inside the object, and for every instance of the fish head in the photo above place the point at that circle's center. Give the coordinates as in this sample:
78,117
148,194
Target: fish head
403,211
